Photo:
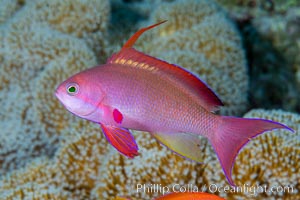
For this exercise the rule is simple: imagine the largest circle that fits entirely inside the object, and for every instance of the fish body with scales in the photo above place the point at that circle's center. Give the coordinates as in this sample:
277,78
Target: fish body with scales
147,102
136,91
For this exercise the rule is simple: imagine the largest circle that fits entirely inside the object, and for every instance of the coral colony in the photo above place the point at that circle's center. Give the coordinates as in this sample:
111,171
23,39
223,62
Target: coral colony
46,153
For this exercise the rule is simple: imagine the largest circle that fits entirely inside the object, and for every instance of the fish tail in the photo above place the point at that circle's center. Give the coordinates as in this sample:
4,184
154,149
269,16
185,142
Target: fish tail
233,133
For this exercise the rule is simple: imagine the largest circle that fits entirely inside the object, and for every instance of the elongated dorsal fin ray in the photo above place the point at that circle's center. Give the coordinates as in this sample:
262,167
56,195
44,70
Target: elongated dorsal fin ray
130,57
137,34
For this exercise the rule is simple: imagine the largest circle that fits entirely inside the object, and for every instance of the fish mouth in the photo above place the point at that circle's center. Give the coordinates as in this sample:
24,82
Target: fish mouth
59,97
61,100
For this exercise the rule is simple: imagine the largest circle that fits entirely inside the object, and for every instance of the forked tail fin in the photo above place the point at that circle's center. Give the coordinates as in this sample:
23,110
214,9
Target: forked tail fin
233,133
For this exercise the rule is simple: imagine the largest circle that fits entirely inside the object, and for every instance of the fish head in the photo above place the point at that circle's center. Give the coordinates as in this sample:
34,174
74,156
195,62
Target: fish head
80,95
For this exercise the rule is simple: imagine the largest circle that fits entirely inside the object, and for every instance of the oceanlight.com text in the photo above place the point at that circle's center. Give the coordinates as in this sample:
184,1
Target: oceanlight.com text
214,188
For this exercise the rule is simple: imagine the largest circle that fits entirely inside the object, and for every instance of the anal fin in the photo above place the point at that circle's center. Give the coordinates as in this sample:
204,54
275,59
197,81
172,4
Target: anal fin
121,139
184,144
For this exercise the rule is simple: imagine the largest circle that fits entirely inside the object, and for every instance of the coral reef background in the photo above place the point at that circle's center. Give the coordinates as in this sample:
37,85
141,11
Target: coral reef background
271,35
247,51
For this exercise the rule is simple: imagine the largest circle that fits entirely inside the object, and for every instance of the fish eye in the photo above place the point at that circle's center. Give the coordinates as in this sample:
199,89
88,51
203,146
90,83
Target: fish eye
72,89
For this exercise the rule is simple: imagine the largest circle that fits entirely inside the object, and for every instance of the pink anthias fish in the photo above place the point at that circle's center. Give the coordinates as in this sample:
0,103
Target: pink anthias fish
136,91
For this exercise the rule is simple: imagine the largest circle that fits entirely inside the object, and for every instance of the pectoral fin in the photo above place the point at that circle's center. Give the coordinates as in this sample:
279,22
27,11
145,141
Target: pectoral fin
121,139
186,145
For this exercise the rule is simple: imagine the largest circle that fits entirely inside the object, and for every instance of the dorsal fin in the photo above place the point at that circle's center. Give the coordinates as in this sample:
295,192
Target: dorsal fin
130,57
137,34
